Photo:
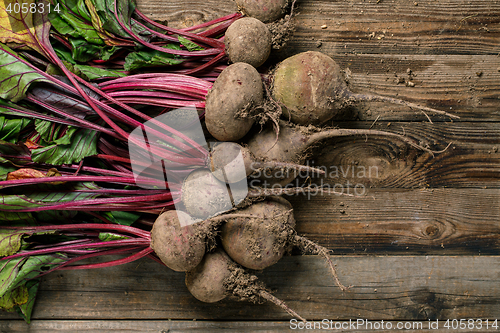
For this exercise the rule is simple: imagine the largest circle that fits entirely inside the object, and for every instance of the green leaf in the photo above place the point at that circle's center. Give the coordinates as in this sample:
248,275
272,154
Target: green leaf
50,216
5,169
10,241
49,132
67,23
190,45
10,127
64,54
151,58
106,9
109,236
61,26
124,218
18,27
84,51
83,144
15,272
108,52
93,73
13,298
26,309
16,218
15,77
46,195
78,7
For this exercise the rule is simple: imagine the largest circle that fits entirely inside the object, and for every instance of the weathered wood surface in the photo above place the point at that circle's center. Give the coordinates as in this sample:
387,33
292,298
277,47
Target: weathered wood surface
164,326
429,224
472,159
160,326
384,287
425,221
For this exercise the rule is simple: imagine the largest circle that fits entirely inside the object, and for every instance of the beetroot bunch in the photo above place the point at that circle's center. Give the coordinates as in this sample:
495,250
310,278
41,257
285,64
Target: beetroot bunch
230,219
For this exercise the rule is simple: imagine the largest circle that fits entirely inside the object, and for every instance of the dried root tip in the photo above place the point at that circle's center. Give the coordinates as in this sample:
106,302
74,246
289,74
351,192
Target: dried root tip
271,298
246,287
309,246
378,98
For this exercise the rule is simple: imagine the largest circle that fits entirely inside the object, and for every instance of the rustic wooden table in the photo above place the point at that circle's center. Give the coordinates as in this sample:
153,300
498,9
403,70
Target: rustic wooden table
421,244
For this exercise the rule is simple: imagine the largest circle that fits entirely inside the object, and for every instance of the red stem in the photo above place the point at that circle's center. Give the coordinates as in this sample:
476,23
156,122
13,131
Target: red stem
55,249
85,226
92,102
111,263
195,37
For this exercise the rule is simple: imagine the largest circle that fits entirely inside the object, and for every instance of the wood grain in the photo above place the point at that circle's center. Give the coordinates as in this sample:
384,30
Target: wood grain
174,326
384,287
445,82
472,159
423,221
393,26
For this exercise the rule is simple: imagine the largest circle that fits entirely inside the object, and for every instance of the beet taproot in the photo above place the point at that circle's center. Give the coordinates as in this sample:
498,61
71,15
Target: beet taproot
218,277
176,241
248,40
293,145
236,92
312,90
259,241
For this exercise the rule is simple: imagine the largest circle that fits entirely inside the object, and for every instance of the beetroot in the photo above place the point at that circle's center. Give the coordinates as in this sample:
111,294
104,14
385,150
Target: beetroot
312,90
248,40
264,10
259,242
231,162
176,240
229,104
217,277
263,232
204,196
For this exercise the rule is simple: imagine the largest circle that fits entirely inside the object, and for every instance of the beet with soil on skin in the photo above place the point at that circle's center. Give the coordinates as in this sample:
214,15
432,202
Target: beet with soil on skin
264,10
248,40
230,102
179,245
259,242
205,196
312,90
218,277
263,232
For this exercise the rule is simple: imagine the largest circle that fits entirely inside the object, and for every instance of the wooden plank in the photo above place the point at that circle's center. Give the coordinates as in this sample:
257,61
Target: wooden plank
423,221
445,82
173,326
389,26
384,287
